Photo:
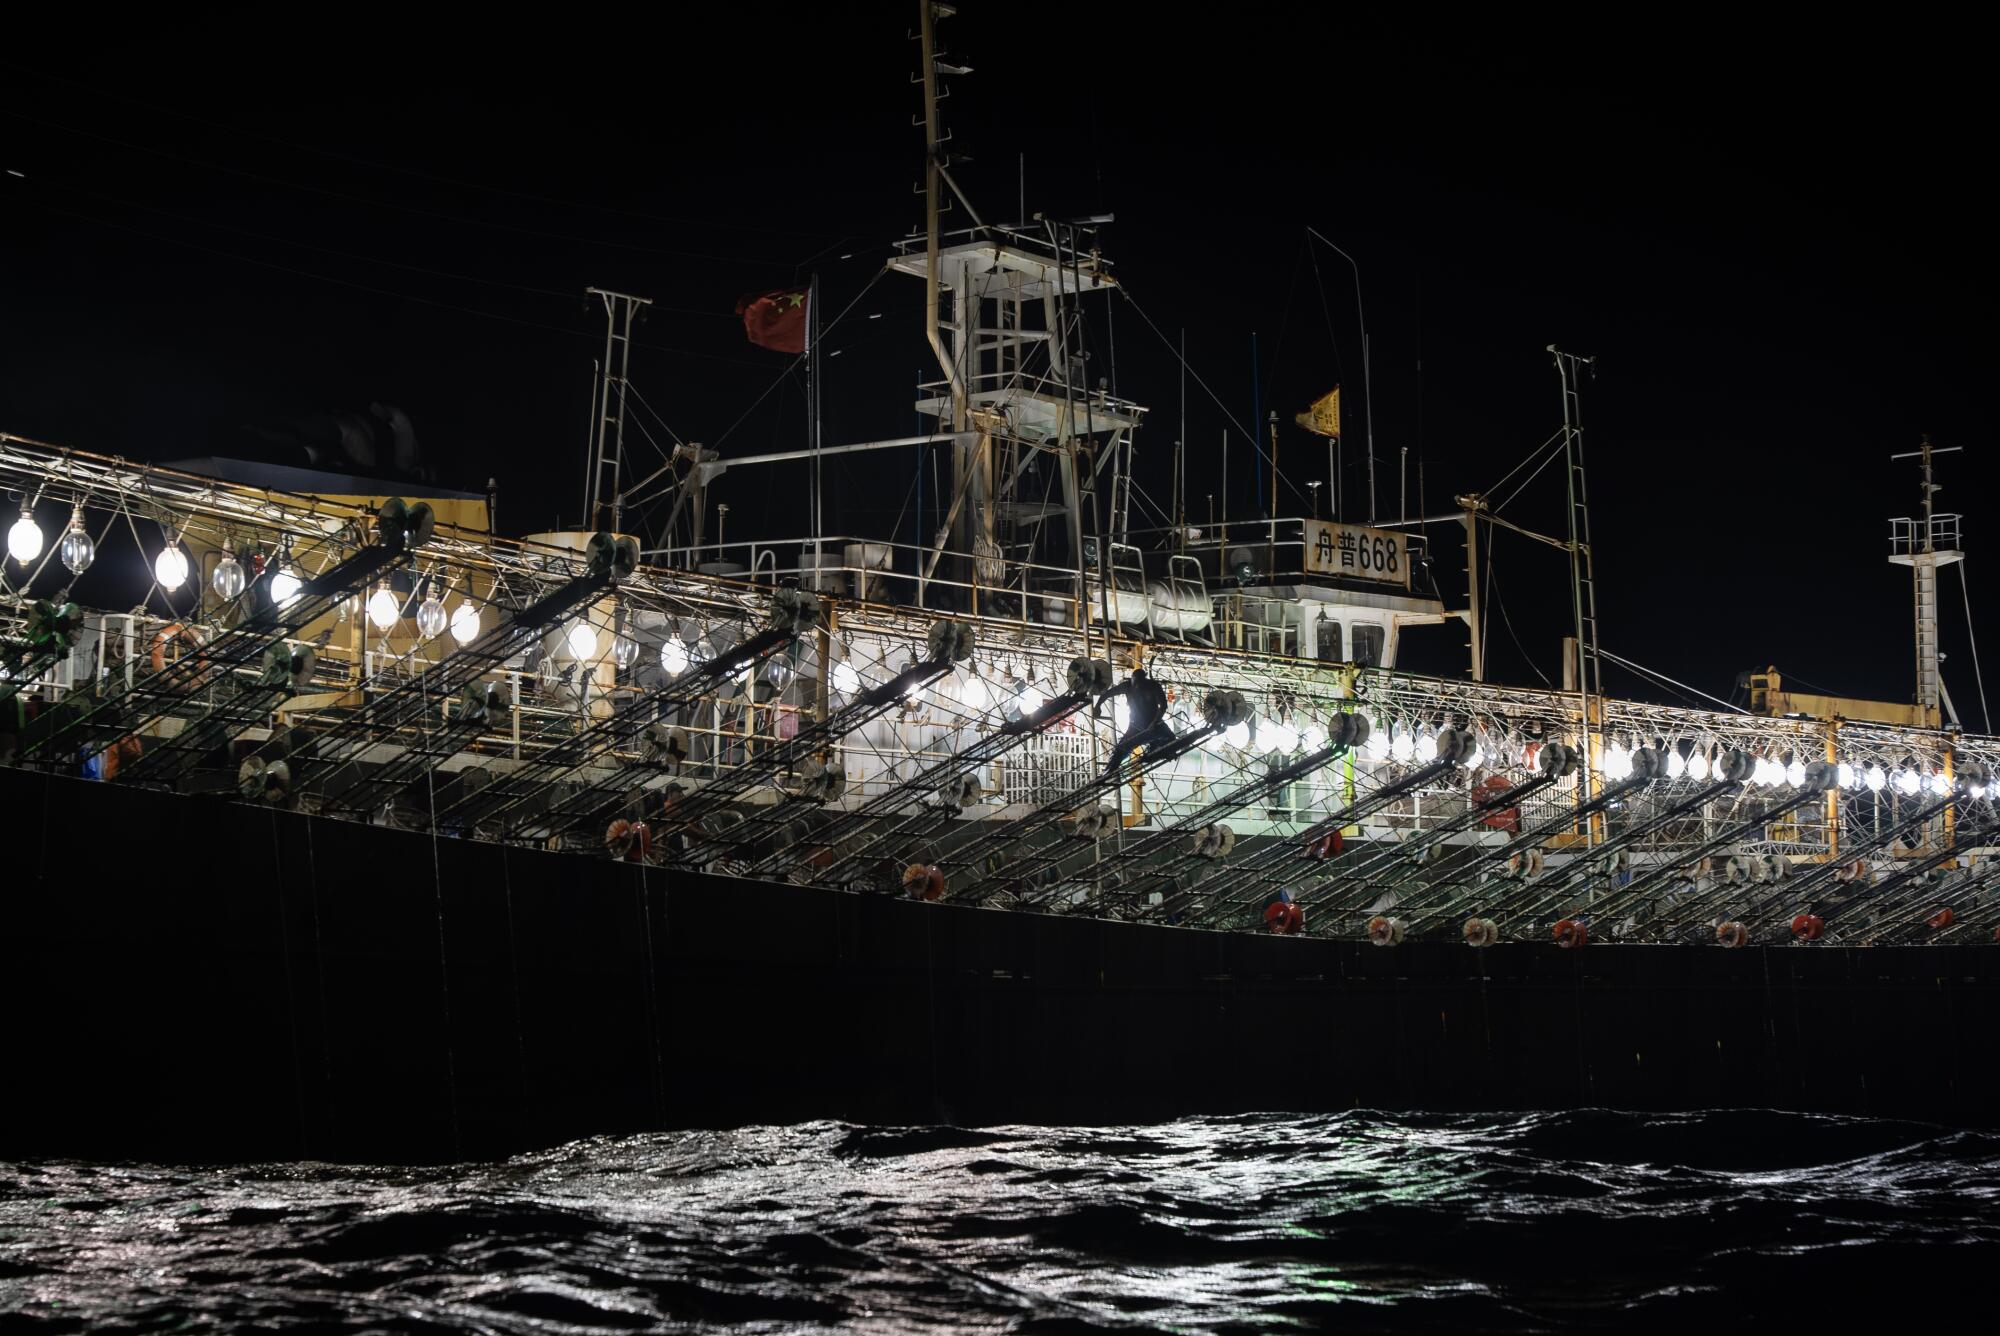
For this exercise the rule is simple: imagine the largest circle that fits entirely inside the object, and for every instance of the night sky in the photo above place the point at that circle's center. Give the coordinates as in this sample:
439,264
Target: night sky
1770,239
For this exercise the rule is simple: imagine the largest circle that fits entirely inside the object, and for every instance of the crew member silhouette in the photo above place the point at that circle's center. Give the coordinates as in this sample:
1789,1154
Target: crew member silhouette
1146,711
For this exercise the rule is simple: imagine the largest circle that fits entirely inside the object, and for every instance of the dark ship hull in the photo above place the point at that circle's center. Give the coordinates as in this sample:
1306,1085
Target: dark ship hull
195,978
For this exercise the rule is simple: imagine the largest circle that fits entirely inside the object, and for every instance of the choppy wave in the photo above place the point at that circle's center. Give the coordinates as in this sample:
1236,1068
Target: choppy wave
1360,1220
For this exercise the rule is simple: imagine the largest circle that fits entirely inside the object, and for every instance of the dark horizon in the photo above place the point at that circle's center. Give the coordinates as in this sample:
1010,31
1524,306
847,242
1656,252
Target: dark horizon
1770,251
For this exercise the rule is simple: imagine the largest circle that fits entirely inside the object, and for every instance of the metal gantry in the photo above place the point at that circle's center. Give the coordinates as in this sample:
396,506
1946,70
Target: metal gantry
469,740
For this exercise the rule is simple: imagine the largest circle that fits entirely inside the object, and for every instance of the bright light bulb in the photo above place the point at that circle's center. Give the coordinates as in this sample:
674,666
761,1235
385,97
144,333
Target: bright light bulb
1121,715
1312,737
1875,779
624,650
1676,764
1795,774
24,540
285,587
1378,744
1847,775
170,568
77,549
1940,785
228,579
1237,735
383,609
431,617
1404,747
1284,737
1979,790
778,672
1698,767
845,680
674,657
1907,782
1427,746
465,623
977,697
582,641
1031,699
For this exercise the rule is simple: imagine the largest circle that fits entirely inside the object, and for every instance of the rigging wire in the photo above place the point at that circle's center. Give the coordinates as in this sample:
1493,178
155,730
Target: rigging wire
1255,444
1973,640
1664,680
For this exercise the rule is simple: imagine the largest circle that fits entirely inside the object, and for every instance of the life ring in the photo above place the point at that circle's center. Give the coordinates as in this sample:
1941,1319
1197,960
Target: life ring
1481,932
1941,920
1384,931
923,881
189,635
1571,932
1808,927
1731,933
1525,864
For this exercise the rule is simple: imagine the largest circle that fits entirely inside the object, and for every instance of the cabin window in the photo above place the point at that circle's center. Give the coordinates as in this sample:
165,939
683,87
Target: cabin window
1329,641
1369,641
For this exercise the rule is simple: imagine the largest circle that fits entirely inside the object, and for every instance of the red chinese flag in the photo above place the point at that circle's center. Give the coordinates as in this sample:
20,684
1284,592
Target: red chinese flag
776,320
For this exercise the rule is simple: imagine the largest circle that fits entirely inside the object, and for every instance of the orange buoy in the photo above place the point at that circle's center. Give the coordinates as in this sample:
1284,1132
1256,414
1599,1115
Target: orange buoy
1942,919
1384,931
925,881
1506,818
1732,933
1284,917
1808,927
1571,932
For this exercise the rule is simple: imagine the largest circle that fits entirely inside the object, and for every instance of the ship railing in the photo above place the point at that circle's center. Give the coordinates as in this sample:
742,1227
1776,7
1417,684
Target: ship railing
1907,535
1003,587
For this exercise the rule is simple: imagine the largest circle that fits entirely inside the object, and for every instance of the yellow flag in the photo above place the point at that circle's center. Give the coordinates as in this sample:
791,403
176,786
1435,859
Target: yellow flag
1323,418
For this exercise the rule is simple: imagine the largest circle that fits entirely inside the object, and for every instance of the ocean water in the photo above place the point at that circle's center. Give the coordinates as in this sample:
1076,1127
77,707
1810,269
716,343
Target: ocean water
1359,1221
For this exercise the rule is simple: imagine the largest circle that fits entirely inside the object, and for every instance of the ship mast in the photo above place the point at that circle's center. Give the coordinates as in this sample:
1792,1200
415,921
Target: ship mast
1003,317
1924,544
1582,662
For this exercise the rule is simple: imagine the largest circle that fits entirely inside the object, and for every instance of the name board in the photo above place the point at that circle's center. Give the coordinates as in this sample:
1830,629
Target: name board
1357,552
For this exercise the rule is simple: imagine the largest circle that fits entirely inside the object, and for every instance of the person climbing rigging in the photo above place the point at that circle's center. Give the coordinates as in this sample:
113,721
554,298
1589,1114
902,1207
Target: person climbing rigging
1146,711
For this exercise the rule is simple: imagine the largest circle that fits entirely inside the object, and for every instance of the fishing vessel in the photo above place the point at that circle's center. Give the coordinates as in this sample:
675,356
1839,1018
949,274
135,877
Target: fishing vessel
369,832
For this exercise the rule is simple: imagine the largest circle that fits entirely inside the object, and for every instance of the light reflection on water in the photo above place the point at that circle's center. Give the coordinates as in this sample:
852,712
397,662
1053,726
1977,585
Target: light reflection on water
1215,1224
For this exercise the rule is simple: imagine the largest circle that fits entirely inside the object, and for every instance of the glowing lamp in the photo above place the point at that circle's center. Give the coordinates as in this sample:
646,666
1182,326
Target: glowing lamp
24,540
465,623
845,680
170,568
383,609
581,641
